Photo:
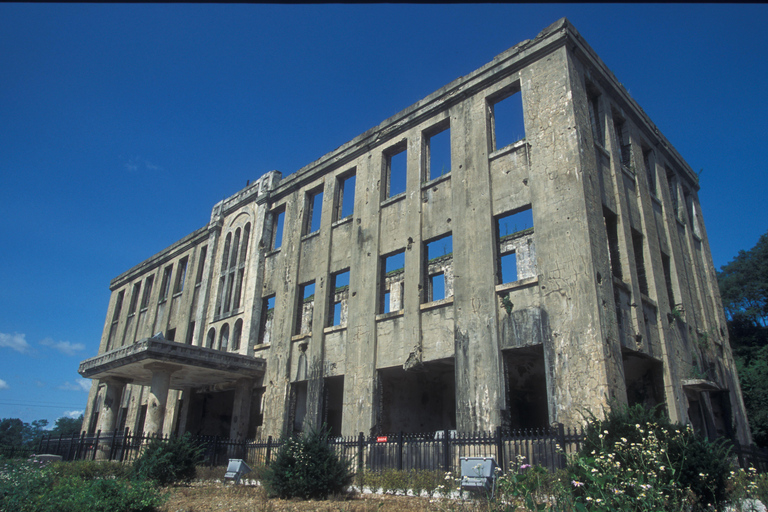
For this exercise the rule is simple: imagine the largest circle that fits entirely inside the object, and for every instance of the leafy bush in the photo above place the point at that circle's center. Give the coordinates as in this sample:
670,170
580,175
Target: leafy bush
168,461
34,487
636,459
307,467
90,469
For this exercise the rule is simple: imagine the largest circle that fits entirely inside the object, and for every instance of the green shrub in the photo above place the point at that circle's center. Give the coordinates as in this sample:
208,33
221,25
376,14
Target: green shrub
35,487
307,467
636,459
168,461
91,469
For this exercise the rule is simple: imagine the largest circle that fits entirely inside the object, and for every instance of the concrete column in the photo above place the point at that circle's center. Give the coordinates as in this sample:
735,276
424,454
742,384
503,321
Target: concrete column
158,394
241,409
111,404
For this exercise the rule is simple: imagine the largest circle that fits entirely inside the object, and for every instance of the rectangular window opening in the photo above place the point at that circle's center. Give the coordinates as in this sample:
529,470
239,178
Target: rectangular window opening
181,274
439,268
437,152
277,228
513,240
593,103
267,315
201,265
612,233
134,298
622,138
166,283
190,332
345,201
665,263
314,211
305,309
637,245
339,296
507,122
650,171
672,182
393,270
396,170
147,292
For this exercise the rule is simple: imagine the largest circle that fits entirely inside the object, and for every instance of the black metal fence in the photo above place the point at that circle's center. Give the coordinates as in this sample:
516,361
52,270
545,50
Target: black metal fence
439,450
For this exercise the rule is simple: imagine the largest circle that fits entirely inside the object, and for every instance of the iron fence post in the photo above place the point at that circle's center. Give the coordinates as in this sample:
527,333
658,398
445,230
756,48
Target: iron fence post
360,447
500,450
95,445
446,451
400,450
269,449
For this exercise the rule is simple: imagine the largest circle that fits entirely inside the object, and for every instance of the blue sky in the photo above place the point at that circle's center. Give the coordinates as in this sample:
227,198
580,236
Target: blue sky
122,125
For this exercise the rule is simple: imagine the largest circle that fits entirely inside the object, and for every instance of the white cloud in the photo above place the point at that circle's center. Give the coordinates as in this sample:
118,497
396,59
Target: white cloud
73,414
79,385
14,341
3,384
64,347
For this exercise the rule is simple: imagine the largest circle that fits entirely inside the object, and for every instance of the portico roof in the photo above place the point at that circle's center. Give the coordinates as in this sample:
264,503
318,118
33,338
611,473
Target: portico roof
192,366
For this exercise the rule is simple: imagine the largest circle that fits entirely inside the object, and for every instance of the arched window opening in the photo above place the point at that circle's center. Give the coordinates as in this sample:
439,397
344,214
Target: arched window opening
238,332
211,337
224,338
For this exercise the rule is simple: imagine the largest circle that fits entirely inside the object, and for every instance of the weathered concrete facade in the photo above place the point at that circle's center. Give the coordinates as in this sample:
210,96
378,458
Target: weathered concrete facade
524,282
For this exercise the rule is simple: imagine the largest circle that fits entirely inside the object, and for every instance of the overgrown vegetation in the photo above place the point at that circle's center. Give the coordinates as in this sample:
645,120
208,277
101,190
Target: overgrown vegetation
168,461
744,290
307,467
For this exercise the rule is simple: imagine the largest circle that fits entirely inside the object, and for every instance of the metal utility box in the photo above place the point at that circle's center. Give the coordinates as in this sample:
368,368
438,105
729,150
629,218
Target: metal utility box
236,469
478,474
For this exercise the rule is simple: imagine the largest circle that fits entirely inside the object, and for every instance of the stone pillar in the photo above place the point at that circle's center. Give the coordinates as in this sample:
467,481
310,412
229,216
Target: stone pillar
158,394
241,409
111,405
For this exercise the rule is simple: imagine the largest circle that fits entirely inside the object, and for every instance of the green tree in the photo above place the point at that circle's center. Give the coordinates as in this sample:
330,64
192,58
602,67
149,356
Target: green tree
744,289
67,426
11,433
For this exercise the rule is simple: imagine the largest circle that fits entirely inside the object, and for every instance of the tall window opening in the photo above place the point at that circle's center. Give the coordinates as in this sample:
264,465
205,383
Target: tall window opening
237,334
517,258
181,275
134,298
267,316
637,245
650,171
666,265
166,283
201,265
211,338
306,308
622,138
593,103
190,332
314,211
278,216
241,266
147,292
345,198
395,170
437,151
506,119
672,183
115,320
224,338
439,268
339,296
391,282
612,233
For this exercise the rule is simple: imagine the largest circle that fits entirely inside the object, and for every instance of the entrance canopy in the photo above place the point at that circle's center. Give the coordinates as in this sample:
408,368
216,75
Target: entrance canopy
193,366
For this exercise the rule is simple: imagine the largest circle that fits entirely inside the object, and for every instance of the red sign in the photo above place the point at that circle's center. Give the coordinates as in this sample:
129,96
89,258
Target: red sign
381,439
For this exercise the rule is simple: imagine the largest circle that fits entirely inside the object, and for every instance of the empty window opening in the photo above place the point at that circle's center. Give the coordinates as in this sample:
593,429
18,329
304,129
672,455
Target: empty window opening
245,242
345,200
439,268
267,315
170,334
278,217
115,320
526,389
506,117
622,138
650,171
644,379
134,298
637,245
166,283
181,275
314,211
147,292
437,153
593,103
393,273
417,402
672,183
190,333
224,338
612,233
665,263
339,296
236,335
515,246
396,170
298,406
211,339
306,308
201,265
333,404
210,414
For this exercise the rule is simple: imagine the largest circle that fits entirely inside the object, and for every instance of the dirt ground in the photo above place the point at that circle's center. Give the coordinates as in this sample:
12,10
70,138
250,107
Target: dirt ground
209,497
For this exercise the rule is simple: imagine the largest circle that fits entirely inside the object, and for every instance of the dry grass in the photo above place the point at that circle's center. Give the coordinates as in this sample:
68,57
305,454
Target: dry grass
209,497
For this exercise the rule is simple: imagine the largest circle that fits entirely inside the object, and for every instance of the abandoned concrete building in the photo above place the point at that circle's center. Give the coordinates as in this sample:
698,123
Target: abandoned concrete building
515,249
